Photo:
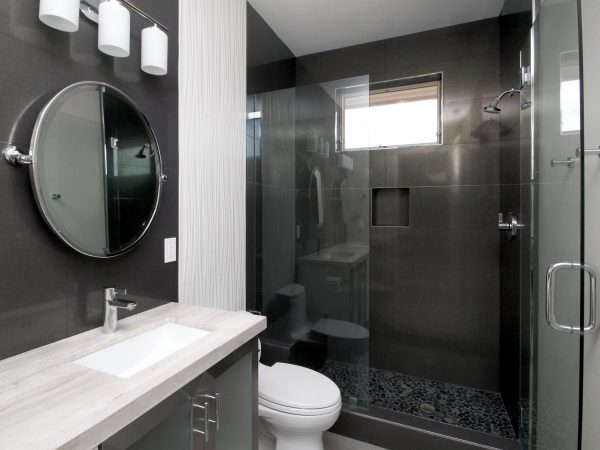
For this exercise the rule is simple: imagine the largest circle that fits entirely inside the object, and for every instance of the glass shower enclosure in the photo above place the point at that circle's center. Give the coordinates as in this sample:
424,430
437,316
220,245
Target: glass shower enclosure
376,253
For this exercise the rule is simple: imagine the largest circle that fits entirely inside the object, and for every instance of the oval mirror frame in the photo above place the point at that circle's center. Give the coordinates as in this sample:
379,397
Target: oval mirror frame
36,175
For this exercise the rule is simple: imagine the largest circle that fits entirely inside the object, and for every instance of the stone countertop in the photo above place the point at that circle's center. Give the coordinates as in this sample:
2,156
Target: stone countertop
48,402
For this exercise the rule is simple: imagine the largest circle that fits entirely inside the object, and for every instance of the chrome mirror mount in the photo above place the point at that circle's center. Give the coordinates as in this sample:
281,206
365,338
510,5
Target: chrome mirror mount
15,156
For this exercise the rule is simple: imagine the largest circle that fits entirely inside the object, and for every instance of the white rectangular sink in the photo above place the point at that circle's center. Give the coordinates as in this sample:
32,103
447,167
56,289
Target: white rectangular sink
139,352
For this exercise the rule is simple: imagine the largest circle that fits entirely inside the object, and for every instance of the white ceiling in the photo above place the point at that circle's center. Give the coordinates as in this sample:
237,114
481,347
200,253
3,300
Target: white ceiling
311,26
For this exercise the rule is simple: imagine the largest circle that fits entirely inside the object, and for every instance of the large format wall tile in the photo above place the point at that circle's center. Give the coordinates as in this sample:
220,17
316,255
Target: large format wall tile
212,163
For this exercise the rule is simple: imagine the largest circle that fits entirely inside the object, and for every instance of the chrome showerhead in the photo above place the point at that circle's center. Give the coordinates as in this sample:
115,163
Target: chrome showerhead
492,108
141,154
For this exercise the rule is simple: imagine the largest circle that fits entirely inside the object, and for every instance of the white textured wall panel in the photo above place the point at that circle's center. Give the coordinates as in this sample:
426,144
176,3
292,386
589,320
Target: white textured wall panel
212,106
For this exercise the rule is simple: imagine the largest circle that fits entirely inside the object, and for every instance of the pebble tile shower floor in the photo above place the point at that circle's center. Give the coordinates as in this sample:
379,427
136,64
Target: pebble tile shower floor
461,406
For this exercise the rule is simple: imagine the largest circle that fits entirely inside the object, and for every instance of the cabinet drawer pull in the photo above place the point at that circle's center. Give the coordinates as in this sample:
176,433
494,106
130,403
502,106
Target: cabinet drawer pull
217,399
206,430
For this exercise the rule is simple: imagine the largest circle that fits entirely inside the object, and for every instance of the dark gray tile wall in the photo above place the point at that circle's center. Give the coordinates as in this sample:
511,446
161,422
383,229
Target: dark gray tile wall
434,287
514,255
47,291
270,164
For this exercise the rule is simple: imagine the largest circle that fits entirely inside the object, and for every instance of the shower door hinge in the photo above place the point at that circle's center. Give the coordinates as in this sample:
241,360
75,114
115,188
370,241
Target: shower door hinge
525,76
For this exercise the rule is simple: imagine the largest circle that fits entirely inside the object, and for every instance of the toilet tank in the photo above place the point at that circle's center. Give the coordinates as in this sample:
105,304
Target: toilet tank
291,299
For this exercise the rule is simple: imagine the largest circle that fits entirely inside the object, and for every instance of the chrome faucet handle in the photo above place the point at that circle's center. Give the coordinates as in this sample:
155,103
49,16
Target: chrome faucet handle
110,293
129,305
113,302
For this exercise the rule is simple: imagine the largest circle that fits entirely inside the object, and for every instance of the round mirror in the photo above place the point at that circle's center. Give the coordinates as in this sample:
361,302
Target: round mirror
96,169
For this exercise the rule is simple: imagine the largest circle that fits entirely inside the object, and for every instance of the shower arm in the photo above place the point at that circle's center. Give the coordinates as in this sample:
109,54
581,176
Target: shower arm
494,107
511,92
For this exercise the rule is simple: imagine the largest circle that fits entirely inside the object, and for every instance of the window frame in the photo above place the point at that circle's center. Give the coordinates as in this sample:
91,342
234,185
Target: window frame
397,84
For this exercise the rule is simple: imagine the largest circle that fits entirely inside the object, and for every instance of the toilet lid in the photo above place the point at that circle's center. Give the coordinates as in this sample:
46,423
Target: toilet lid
341,329
297,387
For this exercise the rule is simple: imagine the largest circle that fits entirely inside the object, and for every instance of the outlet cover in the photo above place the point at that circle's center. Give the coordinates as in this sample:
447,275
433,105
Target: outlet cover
170,250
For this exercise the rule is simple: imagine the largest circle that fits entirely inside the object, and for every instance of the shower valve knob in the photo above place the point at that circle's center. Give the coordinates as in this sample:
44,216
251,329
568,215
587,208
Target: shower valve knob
512,225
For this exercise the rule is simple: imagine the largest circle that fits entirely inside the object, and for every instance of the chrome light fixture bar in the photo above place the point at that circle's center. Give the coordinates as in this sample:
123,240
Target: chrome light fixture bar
90,9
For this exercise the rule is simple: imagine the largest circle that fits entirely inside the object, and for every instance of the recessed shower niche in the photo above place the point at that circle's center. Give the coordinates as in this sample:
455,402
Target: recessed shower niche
390,207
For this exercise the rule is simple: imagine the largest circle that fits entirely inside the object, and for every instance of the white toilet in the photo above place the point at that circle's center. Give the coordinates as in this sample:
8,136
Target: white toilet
295,406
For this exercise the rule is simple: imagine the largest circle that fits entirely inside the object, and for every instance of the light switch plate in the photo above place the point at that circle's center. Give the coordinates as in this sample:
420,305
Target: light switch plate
170,250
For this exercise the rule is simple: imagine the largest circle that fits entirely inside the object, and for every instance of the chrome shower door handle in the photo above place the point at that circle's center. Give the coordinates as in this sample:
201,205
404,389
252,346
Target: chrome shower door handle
551,297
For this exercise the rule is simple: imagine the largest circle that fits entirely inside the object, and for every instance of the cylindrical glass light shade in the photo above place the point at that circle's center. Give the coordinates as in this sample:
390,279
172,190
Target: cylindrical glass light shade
114,23
155,51
60,14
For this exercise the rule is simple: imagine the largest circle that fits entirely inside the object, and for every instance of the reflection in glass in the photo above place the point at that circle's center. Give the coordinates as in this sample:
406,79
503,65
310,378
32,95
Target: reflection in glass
570,112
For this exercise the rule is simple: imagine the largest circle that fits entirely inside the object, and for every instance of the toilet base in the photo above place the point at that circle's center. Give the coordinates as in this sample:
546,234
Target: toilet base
291,441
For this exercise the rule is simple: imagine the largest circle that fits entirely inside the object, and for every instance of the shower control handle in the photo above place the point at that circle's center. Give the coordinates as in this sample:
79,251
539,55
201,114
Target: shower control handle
512,225
551,297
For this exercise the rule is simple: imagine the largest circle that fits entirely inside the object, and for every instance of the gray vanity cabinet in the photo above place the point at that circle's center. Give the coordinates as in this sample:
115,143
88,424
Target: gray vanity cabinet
216,411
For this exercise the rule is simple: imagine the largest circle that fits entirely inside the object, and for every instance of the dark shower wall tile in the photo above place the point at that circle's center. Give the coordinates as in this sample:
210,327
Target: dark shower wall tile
441,165
433,288
377,168
440,247
377,246
515,160
377,301
465,122
466,332
455,207
278,220
443,44
437,359
278,139
510,154
47,291
342,63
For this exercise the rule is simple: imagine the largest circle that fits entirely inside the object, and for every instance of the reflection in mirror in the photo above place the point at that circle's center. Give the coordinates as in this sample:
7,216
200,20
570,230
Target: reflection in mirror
96,170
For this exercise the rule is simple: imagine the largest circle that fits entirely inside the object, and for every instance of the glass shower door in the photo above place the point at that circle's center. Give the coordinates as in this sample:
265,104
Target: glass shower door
559,279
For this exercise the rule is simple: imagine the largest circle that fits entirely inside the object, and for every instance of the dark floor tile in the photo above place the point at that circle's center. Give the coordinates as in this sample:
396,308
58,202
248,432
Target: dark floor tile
443,402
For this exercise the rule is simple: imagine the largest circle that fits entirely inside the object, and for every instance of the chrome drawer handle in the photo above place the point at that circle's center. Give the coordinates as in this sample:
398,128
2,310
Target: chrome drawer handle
217,399
204,432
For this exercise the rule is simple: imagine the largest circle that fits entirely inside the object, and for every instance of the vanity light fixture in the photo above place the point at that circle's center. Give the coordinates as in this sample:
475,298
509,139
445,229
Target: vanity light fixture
114,28
60,14
114,24
155,51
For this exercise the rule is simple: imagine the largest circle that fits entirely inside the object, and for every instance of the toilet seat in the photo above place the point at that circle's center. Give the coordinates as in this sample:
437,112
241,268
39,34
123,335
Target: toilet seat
297,390
298,411
340,329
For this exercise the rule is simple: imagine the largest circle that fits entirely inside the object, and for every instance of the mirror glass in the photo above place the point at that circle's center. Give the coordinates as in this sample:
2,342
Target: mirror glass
96,169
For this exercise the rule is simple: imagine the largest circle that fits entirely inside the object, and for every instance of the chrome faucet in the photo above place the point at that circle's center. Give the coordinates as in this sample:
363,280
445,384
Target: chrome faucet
113,301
